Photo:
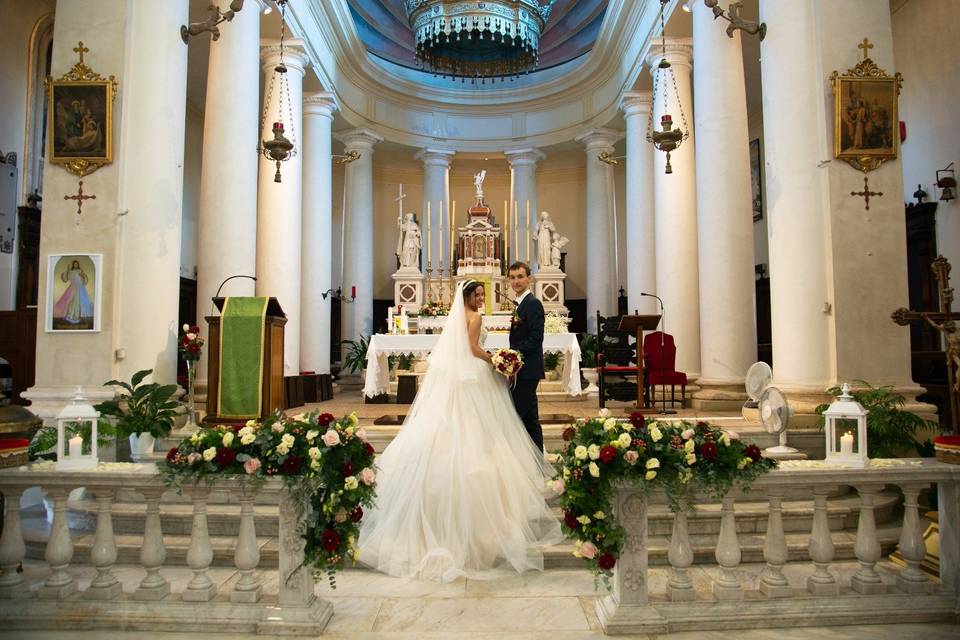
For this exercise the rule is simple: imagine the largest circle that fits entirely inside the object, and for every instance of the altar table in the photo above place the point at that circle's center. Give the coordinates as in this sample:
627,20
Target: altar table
382,346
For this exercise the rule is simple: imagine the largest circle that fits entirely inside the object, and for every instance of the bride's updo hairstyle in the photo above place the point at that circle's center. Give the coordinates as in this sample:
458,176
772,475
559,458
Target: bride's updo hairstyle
469,287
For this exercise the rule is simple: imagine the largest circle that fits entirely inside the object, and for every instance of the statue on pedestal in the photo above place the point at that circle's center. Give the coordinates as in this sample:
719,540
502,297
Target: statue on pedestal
478,183
409,243
549,242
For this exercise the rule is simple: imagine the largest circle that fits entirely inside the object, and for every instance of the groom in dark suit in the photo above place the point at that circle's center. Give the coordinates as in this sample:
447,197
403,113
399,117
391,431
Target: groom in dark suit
526,336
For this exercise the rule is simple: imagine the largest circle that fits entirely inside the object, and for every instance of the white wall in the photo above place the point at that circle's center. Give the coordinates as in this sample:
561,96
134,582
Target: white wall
927,52
192,162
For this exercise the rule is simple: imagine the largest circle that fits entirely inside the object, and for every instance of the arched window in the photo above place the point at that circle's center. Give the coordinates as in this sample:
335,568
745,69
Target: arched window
34,147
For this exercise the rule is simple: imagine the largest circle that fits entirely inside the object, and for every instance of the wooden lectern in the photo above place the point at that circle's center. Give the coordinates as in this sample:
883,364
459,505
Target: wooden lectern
639,324
272,383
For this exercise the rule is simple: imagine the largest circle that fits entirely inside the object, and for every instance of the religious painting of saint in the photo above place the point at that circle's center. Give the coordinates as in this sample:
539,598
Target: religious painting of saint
73,292
866,125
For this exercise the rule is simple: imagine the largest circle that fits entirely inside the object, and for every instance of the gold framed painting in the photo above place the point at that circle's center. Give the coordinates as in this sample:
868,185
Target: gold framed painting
866,129
80,118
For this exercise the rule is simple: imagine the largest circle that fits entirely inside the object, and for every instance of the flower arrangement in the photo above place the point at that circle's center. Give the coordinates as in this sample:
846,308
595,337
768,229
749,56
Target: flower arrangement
191,343
507,362
681,457
433,309
327,466
555,323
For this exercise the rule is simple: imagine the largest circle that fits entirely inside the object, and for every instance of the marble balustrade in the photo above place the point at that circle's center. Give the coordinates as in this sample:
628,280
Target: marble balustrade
813,594
244,607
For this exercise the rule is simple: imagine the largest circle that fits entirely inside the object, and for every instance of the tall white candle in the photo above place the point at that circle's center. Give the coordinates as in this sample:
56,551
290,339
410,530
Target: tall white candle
453,237
516,231
440,238
429,235
390,320
505,250
76,446
526,232
846,444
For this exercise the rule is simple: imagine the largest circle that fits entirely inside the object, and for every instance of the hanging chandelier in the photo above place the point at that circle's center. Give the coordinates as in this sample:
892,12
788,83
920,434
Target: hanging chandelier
478,40
667,139
280,148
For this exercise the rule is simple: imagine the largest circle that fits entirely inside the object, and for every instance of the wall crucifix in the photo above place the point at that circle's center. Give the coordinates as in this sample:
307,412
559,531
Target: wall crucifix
866,193
80,197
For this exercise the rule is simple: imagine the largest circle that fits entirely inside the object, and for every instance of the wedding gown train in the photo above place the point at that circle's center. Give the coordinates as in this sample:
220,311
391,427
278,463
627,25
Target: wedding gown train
460,490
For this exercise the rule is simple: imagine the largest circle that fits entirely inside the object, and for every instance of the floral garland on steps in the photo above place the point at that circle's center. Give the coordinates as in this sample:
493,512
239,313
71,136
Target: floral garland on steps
327,466
682,458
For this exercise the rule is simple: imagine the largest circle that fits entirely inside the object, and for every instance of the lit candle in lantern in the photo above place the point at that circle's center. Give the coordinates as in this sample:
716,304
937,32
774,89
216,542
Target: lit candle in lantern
666,122
76,446
846,444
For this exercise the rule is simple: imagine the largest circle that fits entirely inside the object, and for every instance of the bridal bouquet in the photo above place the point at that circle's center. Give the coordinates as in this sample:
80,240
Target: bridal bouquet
507,362
191,343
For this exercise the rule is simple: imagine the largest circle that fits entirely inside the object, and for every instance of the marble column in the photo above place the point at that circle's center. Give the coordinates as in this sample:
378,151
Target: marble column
357,318
436,189
279,224
523,162
317,241
675,212
728,336
601,289
150,191
227,210
641,264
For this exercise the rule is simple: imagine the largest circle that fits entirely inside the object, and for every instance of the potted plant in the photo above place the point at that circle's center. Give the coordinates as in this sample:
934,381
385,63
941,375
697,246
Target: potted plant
588,362
551,365
355,355
143,412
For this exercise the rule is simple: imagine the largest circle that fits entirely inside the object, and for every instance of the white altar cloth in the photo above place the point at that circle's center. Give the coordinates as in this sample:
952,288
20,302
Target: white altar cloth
382,346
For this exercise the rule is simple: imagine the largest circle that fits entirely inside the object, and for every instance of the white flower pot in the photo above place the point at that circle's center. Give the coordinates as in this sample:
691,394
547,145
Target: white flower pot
140,445
590,375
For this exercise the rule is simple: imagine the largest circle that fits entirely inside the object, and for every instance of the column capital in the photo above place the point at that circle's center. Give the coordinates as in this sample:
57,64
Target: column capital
320,103
636,103
679,53
432,157
359,139
294,55
596,140
525,156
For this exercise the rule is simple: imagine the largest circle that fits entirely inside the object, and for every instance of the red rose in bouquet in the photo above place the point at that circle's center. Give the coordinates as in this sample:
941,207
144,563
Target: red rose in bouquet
637,420
357,514
324,419
507,362
607,454
291,466
329,540
225,456
347,469
708,450
606,561
369,448
568,434
570,520
753,452
172,454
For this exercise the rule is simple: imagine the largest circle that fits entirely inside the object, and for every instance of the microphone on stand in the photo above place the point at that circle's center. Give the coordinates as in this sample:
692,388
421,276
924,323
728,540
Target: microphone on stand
226,280
663,315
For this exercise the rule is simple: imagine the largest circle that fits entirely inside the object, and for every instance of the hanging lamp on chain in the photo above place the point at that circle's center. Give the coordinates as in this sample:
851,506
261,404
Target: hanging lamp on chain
667,139
280,148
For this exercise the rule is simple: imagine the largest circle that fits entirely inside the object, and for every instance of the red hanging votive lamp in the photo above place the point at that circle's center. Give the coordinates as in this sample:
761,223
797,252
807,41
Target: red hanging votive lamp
667,139
280,148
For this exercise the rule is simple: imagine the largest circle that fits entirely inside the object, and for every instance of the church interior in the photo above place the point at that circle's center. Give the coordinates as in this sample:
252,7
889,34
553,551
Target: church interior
730,212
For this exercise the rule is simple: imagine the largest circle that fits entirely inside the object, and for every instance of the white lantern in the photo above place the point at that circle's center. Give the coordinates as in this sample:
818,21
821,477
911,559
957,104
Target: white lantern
846,431
77,417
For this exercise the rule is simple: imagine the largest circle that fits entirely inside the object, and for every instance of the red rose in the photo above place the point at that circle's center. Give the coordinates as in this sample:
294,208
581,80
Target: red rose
194,329
570,520
708,450
184,341
357,514
193,348
637,420
172,454
225,456
347,469
607,454
753,452
568,434
369,448
329,540
606,561
291,466
324,419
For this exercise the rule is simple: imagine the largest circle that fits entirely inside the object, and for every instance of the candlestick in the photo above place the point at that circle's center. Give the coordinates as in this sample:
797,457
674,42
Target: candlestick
390,320
440,239
429,235
506,235
846,444
526,232
76,446
453,238
516,231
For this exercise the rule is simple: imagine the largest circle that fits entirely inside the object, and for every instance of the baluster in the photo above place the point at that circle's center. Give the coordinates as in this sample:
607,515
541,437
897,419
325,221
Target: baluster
12,548
680,586
727,586
822,582
773,583
200,553
59,553
103,553
152,553
867,548
296,583
912,545
246,557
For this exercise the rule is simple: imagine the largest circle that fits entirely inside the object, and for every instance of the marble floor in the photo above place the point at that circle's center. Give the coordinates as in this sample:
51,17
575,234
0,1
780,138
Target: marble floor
553,605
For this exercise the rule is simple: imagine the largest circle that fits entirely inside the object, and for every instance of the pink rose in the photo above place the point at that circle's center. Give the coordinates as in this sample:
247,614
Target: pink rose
277,427
687,434
251,466
733,435
193,457
331,438
367,476
631,457
362,434
588,549
558,486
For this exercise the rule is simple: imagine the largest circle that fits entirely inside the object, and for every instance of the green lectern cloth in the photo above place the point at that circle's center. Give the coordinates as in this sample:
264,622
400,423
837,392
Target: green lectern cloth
241,357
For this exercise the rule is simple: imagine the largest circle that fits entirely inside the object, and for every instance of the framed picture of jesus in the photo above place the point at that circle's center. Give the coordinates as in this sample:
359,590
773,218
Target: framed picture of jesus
74,284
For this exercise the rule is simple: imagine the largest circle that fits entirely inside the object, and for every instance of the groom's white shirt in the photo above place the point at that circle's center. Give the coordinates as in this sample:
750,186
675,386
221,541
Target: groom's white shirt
522,296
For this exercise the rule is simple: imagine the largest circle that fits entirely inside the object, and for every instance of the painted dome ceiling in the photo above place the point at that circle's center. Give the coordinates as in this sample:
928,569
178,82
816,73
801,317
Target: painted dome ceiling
571,30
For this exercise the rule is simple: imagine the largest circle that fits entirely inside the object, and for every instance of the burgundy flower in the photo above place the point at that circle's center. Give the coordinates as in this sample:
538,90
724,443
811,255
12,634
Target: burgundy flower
347,469
184,341
753,452
225,456
172,454
607,454
570,520
194,329
357,514
329,540
568,434
606,561
369,448
708,450
637,420
193,348
325,418
291,466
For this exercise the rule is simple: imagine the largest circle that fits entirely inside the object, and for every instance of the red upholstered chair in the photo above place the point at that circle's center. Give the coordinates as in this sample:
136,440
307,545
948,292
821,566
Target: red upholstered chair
660,356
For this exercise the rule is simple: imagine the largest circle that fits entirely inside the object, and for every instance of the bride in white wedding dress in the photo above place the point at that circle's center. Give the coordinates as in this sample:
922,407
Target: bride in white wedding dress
460,490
